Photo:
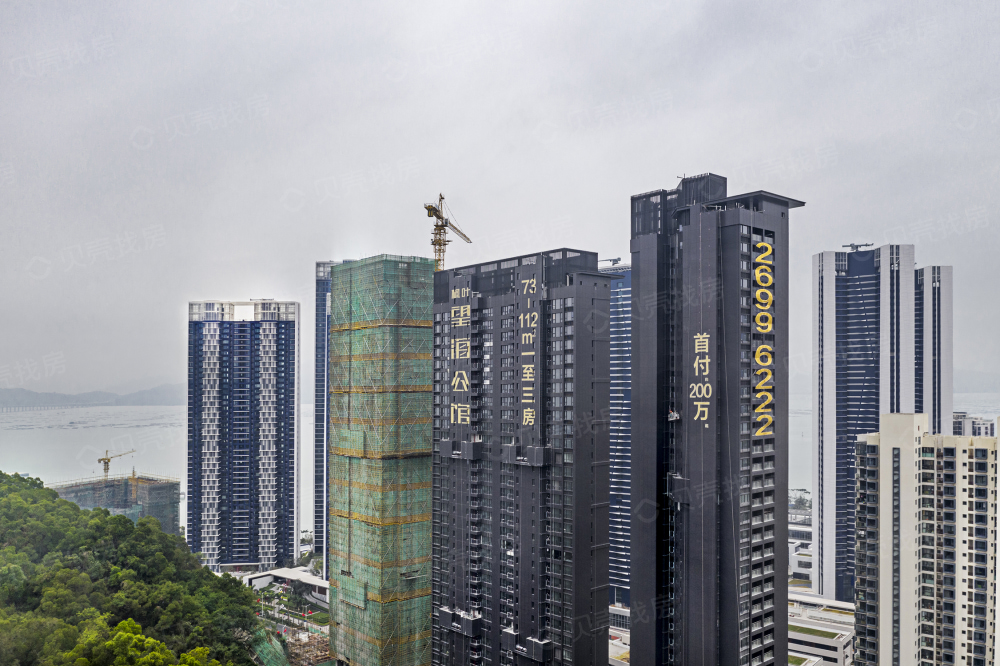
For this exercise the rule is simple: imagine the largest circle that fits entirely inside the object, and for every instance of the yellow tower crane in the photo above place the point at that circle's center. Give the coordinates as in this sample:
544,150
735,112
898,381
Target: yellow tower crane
439,239
107,460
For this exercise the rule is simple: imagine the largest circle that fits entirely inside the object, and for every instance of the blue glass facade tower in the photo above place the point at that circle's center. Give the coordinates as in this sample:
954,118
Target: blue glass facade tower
321,409
242,433
881,345
620,510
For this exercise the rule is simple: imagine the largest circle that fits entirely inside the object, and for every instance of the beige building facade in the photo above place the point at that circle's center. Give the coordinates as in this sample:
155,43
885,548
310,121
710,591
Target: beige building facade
926,546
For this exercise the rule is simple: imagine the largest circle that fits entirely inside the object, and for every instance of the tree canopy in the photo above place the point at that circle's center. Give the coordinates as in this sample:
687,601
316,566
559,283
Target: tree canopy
86,588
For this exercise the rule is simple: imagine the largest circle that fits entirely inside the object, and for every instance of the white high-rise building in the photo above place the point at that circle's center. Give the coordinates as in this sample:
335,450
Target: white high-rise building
926,547
975,426
882,343
243,386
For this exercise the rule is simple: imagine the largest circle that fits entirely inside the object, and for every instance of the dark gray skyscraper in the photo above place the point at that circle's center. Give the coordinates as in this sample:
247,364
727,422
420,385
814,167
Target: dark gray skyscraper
709,425
882,344
520,486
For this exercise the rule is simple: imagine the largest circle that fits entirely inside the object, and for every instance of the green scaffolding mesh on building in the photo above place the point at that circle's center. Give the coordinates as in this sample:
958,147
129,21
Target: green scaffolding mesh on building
268,650
134,496
379,473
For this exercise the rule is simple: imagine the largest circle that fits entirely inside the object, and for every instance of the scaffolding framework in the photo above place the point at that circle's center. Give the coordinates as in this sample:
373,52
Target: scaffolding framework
134,496
379,474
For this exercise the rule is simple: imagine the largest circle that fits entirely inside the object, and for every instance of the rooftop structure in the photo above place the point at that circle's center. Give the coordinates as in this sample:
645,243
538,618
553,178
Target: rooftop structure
820,628
972,426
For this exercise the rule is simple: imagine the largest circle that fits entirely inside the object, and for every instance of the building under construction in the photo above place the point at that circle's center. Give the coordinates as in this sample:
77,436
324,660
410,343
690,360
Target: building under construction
379,522
133,496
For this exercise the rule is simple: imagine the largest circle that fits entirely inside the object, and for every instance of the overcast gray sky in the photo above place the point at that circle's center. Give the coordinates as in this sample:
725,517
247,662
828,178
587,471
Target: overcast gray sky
156,153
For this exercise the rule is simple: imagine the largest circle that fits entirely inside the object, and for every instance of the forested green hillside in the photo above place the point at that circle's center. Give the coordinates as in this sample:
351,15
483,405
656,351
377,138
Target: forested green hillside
85,588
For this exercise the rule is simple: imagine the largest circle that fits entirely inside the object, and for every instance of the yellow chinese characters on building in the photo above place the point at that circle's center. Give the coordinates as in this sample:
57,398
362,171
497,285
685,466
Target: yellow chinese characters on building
701,387
460,348
528,372
459,413
529,417
460,382
461,315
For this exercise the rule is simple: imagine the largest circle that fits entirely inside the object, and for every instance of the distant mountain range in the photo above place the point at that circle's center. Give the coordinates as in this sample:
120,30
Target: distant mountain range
165,395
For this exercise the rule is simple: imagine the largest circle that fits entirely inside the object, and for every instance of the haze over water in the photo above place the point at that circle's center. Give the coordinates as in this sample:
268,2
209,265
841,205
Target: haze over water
64,444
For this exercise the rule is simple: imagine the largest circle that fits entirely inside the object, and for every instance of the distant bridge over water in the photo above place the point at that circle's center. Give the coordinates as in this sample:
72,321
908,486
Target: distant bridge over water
39,408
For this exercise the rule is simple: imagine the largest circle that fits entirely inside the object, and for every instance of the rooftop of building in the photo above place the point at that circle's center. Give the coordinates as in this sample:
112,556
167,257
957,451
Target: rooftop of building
300,574
809,600
375,258
252,301
959,416
710,189
803,659
258,309
803,628
112,478
518,260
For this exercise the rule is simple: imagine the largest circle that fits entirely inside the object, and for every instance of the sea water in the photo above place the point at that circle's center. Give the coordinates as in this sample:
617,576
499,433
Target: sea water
64,444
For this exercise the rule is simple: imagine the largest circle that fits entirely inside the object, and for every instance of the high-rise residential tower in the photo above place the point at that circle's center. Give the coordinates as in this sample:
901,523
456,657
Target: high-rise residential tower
379,461
620,508
521,359
926,548
709,425
321,409
882,343
242,433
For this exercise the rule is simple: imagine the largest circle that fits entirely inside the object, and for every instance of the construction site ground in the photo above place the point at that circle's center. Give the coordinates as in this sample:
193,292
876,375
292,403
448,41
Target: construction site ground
303,648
